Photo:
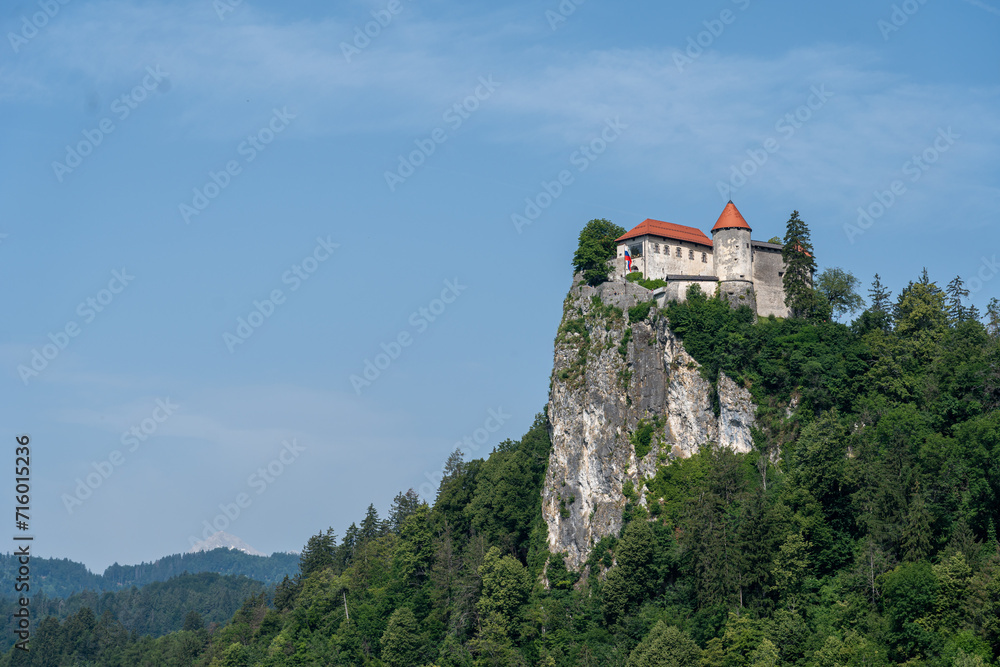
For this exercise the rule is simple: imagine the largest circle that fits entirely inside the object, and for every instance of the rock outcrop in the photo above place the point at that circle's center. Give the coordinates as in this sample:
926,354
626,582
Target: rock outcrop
611,378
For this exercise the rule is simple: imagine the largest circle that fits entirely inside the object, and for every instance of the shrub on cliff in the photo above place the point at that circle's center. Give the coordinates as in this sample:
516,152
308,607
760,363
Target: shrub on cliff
597,246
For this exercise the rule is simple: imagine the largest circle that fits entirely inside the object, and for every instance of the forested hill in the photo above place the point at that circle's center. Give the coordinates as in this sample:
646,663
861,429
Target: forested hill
60,577
195,600
860,530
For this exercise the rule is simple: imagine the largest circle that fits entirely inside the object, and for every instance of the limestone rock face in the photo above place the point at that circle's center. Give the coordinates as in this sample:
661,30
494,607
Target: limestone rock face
609,374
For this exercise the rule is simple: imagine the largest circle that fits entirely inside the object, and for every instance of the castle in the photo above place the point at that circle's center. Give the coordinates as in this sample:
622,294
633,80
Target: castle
746,272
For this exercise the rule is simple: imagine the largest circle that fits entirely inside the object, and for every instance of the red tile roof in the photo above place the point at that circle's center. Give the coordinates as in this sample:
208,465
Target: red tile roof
730,218
667,230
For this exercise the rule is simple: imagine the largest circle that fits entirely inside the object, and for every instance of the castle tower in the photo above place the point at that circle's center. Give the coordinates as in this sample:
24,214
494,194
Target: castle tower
733,257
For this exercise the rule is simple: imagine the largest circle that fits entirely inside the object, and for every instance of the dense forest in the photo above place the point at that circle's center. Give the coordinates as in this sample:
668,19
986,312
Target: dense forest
61,577
861,531
155,609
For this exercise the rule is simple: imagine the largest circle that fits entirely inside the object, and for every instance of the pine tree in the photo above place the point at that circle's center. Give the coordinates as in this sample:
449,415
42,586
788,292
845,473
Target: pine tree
371,526
963,540
880,295
800,265
957,294
403,505
916,535
318,553
193,622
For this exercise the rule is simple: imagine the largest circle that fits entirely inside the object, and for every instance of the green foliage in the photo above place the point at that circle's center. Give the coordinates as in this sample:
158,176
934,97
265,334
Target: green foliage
636,277
505,587
60,577
640,311
401,642
860,531
596,247
840,289
800,263
642,437
500,508
665,646
623,346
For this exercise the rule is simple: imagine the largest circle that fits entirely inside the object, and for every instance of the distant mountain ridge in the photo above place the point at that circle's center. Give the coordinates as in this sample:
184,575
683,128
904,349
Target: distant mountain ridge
61,577
223,540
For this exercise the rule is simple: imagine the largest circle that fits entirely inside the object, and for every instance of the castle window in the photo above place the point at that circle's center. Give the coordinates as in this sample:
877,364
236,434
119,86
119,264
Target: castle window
656,248
690,254
678,252
704,258
635,250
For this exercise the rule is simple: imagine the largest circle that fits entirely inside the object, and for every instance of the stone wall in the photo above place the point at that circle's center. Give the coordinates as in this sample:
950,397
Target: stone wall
768,269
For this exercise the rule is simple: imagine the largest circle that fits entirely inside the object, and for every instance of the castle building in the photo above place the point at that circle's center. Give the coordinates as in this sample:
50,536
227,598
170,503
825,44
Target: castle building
745,272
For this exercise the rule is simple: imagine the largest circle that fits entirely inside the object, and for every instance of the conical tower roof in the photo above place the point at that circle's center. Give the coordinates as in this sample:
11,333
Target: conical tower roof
731,219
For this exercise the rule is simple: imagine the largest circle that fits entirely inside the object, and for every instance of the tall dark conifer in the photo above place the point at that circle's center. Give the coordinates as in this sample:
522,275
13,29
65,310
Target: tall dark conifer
880,295
957,294
800,266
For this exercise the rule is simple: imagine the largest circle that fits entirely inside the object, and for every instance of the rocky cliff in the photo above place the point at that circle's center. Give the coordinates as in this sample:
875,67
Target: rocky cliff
618,386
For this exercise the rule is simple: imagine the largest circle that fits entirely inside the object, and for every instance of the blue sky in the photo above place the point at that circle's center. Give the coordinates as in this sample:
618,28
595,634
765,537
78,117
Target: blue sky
120,116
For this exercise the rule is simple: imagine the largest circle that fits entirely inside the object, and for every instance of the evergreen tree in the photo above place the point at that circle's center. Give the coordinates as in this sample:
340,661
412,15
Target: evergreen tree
193,622
957,294
800,265
318,553
597,246
921,308
916,535
880,296
403,505
371,526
